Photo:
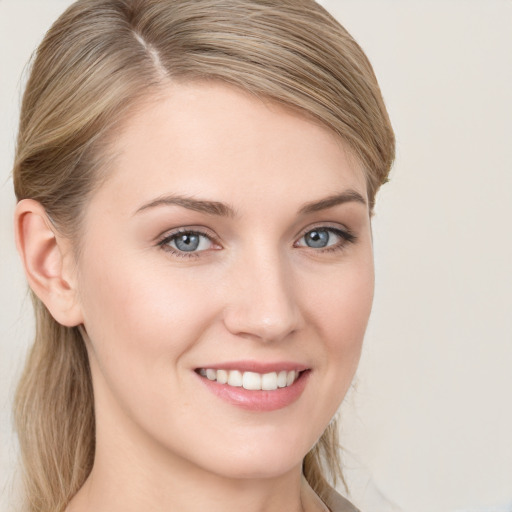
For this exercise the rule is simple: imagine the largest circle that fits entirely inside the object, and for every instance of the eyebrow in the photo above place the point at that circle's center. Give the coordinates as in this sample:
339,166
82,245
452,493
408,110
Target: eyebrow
348,196
209,207
224,210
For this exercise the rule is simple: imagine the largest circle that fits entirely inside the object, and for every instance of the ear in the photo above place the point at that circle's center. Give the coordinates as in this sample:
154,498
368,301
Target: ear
48,262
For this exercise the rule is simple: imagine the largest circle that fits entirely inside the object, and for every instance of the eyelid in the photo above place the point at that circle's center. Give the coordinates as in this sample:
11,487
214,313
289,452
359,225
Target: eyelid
337,228
193,228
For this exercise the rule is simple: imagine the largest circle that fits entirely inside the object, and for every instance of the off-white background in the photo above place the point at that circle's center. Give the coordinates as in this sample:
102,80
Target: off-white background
430,423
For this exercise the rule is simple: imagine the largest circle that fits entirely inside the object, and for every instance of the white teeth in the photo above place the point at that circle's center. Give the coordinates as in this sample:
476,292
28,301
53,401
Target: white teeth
222,376
281,379
211,374
269,381
251,380
235,378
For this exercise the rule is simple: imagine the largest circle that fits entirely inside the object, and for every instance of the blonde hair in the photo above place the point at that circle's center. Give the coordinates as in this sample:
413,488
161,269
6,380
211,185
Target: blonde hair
100,59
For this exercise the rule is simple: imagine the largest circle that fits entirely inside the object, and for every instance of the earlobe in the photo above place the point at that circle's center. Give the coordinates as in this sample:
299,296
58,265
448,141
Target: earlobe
46,260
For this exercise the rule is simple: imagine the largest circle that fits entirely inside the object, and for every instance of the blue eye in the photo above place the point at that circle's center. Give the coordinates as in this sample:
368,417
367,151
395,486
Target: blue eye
318,238
186,242
326,238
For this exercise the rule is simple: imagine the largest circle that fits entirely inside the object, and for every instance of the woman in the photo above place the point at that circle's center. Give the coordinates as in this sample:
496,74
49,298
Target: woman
195,181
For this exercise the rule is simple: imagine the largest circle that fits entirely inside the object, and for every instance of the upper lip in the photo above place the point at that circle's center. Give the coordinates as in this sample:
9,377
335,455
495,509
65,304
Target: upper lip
257,366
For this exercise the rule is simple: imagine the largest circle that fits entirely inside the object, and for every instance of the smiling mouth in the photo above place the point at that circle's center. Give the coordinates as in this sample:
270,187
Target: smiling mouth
252,381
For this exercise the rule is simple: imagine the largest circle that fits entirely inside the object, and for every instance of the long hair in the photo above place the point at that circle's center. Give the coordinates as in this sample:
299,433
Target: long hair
99,60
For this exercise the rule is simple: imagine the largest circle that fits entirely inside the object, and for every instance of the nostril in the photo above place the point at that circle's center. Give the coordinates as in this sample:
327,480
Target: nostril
256,321
261,301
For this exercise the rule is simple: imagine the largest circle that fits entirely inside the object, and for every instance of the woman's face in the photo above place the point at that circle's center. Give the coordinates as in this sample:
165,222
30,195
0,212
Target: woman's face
230,242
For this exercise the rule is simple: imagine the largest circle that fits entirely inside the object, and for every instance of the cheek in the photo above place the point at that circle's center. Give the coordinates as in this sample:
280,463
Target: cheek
341,302
140,318
340,316
354,304
142,321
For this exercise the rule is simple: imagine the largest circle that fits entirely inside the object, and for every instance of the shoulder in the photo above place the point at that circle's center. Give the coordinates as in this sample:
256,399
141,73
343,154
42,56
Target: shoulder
337,503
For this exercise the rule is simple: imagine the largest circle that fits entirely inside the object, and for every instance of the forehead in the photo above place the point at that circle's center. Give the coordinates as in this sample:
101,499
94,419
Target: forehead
211,139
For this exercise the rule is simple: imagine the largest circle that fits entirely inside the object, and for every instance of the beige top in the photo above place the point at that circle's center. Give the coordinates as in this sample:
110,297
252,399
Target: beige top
337,503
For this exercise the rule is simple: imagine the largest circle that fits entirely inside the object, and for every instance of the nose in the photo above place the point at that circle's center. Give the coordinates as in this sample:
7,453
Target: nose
262,300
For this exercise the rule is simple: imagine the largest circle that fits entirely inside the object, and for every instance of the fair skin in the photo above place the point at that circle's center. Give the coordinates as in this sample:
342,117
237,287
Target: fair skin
265,276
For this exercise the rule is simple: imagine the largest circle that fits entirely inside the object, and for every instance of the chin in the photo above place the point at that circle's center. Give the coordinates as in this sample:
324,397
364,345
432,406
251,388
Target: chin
258,458
258,468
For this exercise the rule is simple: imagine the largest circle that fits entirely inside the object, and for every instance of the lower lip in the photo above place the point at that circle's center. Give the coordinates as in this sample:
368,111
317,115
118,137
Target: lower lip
259,400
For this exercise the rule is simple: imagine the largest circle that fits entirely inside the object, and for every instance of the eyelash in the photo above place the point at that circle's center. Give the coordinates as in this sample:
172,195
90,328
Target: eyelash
346,236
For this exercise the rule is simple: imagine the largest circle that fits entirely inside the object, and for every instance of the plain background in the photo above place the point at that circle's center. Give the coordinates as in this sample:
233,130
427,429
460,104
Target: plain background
429,422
